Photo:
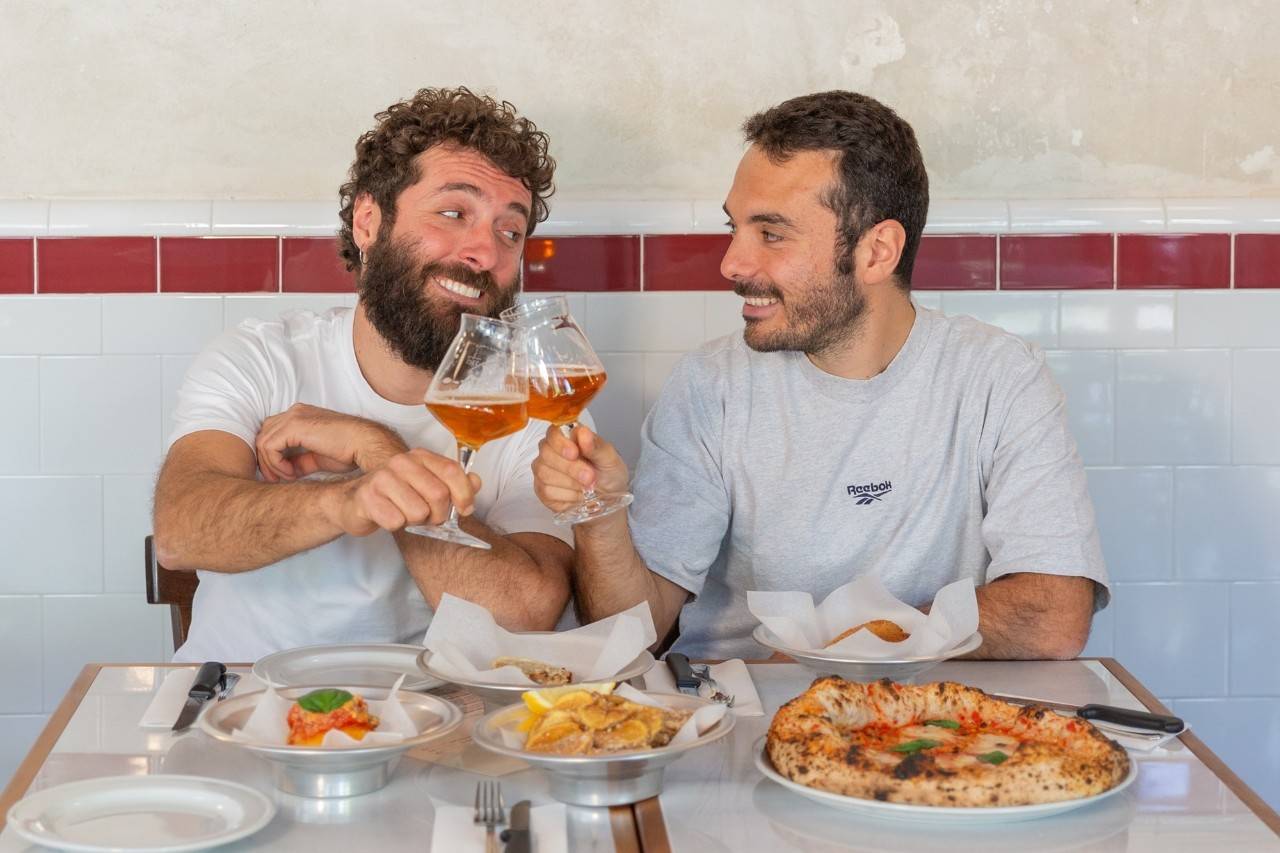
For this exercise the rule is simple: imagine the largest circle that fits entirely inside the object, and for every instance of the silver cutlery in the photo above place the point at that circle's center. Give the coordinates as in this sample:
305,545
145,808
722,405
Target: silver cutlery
517,838
692,679
209,680
703,673
491,811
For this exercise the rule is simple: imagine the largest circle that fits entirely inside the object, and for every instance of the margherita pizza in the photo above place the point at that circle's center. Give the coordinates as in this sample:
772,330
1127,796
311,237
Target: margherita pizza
940,744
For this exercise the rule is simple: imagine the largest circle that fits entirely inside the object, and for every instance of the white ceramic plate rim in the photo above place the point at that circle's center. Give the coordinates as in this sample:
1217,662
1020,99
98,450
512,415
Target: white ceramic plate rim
957,813
765,637
34,805
415,679
641,664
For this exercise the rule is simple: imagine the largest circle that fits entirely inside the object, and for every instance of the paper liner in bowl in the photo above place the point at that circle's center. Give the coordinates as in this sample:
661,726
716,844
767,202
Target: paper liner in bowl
854,669
320,771
611,779
499,695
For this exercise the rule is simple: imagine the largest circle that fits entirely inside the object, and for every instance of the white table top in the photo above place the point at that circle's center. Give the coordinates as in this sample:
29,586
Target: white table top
103,739
716,800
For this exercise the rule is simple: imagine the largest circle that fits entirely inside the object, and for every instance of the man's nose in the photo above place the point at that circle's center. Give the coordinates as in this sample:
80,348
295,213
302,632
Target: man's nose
479,248
737,263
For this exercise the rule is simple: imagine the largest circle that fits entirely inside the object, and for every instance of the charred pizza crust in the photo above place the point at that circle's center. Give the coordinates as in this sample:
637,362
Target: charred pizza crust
814,740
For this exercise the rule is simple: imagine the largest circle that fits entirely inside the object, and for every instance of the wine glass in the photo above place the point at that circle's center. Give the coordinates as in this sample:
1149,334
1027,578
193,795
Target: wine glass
479,393
564,374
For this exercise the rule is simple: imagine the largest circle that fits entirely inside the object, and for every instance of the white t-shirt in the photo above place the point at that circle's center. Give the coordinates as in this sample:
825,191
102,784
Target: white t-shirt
759,471
353,589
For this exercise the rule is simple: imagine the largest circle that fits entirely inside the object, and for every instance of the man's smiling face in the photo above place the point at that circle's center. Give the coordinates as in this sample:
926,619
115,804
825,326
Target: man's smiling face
455,247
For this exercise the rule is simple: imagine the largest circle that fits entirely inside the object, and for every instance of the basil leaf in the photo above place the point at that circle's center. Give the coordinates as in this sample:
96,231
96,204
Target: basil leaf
994,757
324,701
916,745
943,724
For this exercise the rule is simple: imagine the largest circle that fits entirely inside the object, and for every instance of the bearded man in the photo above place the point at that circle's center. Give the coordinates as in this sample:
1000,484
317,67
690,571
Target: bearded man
302,447
844,431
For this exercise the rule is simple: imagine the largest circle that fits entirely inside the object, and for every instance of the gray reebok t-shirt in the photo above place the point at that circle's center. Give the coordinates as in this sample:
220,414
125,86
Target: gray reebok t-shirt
758,471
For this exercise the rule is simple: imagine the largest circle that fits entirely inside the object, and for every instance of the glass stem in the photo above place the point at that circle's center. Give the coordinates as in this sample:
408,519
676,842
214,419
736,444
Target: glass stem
588,495
464,459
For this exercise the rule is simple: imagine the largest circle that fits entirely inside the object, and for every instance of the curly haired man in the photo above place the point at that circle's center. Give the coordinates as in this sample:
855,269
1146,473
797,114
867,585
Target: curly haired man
301,447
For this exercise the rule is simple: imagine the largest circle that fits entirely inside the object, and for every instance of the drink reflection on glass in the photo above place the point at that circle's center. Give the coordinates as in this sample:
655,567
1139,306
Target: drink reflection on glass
564,374
480,392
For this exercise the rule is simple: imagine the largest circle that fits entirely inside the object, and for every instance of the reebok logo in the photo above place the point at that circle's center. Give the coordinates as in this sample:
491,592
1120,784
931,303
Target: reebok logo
869,492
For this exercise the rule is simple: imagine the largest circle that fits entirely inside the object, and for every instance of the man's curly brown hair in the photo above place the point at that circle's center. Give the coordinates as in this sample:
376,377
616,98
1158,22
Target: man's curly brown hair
386,163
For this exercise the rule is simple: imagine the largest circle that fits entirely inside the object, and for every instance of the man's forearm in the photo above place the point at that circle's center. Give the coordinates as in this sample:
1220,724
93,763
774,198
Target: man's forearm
610,576
522,593
1030,616
224,523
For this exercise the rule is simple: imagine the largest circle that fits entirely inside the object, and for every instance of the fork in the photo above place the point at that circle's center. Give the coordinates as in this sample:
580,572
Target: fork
702,672
491,811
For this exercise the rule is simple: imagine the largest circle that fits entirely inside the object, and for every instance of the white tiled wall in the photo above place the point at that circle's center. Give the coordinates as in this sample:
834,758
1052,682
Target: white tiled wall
1172,397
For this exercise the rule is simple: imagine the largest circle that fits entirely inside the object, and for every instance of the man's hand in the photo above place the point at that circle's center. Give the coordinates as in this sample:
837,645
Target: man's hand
327,441
568,465
415,487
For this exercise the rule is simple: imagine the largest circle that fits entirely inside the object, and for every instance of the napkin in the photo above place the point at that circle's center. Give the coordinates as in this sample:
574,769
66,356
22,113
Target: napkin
167,702
268,724
798,624
455,829
698,723
464,640
733,677
1138,743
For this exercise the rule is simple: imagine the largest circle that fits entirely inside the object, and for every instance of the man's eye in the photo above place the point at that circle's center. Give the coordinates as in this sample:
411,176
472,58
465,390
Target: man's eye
770,237
513,236
452,214
733,229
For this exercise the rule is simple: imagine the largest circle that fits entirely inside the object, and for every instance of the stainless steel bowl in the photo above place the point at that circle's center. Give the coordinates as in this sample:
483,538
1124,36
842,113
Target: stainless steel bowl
861,669
602,780
501,695
310,771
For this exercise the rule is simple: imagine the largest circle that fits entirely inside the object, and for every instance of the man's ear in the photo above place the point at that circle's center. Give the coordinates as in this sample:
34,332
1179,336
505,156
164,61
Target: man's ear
366,219
880,250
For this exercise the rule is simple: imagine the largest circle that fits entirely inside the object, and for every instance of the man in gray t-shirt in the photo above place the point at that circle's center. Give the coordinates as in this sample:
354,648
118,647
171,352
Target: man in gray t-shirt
844,431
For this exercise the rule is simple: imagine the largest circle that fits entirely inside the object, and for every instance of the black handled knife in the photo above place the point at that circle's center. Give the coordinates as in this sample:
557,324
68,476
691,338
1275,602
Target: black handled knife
516,836
1127,717
686,681
205,687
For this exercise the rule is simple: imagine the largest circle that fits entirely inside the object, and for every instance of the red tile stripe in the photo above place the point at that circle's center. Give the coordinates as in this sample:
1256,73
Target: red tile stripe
672,262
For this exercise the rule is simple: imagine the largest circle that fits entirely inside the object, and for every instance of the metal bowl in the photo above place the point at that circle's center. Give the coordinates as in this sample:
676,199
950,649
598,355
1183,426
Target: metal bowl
310,771
500,695
602,780
862,669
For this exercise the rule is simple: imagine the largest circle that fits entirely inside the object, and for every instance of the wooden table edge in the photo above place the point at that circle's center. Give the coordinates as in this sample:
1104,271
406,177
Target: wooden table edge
627,837
1247,795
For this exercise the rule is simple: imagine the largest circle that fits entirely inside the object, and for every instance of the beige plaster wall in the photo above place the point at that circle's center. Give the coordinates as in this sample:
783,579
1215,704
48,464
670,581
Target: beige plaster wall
1011,98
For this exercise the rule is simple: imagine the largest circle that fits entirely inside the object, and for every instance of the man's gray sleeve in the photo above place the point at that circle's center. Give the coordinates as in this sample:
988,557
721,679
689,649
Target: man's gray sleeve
1039,517
681,509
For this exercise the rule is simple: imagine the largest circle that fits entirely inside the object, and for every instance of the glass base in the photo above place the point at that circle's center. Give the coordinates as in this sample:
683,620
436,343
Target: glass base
595,507
448,533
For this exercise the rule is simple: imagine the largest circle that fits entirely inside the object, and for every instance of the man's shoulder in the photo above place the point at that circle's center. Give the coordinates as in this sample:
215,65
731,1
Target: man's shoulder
722,359
280,339
965,339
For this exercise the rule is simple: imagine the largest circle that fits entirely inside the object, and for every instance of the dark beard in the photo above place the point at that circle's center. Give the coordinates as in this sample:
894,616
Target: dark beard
417,327
827,318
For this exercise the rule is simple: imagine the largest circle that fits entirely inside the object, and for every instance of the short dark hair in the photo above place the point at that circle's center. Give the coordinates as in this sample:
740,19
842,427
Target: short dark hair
386,157
881,172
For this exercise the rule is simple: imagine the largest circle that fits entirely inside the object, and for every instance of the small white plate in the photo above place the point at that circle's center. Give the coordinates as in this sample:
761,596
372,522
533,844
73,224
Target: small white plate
862,669
153,813
933,814
363,665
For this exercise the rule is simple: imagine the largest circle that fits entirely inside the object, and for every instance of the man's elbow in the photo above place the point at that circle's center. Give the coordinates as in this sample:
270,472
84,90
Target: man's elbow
171,551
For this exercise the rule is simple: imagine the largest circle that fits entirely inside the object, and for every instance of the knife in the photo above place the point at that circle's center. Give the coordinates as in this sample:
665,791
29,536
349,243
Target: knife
205,687
1127,717
686,681
516,835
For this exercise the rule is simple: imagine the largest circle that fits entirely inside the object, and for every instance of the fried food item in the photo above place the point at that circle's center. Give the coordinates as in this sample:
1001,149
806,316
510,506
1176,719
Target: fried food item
582,722
890,632
320,711
942,744
540,673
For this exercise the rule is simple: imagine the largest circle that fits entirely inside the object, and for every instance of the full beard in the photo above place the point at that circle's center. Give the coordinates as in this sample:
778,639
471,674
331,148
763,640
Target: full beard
827,319
395,289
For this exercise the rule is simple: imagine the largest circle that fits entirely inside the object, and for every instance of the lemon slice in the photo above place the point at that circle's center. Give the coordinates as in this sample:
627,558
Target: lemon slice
542,700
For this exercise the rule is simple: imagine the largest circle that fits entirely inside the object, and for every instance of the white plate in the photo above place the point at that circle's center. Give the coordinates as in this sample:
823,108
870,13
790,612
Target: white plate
934,814
151,813
862,669
365,665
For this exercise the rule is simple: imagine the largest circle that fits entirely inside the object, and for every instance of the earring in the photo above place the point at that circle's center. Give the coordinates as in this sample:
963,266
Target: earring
363,257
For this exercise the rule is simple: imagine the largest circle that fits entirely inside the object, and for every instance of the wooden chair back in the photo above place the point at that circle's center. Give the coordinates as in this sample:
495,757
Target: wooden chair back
176,589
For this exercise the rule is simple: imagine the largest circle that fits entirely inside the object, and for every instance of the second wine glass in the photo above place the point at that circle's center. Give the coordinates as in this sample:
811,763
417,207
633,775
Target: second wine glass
564,374
479,393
